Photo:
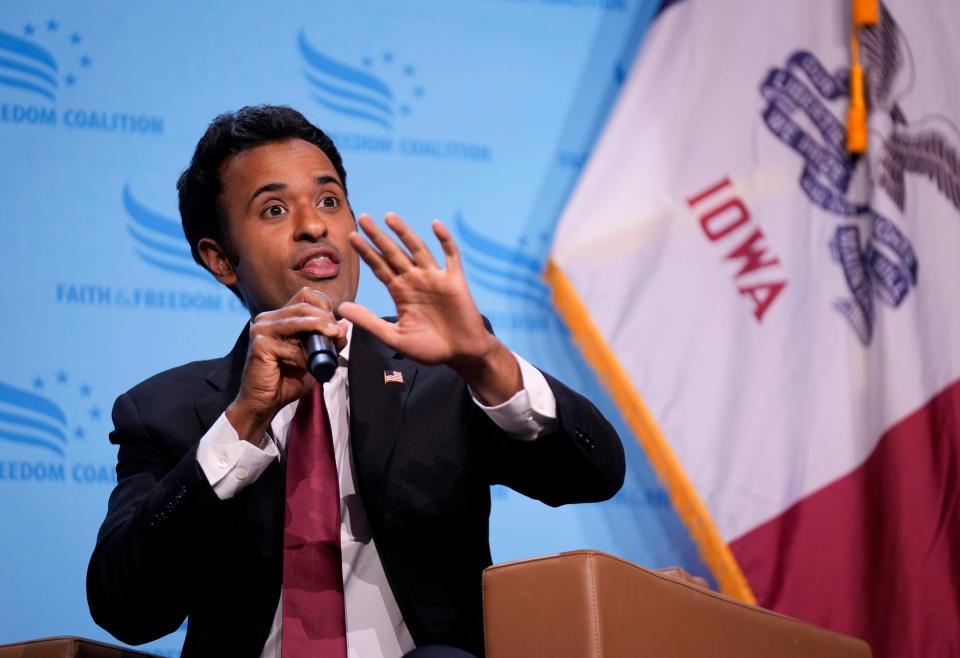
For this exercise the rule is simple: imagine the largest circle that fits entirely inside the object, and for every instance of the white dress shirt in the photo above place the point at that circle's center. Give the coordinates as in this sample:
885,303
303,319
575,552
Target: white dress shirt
375,627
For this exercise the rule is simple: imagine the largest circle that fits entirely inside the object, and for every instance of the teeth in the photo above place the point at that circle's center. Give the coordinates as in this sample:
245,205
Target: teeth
320,258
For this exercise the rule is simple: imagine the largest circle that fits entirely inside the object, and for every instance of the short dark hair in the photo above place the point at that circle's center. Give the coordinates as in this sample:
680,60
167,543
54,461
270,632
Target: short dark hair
231,133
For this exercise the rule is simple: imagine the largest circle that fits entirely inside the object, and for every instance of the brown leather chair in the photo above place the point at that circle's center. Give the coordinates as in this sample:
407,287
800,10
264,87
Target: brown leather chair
587,604
67,647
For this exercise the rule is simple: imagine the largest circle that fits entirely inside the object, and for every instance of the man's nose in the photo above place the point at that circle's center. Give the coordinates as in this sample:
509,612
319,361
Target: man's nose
311,225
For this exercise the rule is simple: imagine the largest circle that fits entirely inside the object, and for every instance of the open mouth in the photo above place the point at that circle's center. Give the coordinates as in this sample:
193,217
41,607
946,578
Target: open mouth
319,264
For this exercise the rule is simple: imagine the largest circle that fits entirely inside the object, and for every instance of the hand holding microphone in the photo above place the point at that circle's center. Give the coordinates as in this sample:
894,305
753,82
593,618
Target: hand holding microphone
285,345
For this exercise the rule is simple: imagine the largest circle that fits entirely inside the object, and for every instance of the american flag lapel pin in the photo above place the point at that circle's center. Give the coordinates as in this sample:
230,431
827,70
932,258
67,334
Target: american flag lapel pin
392,377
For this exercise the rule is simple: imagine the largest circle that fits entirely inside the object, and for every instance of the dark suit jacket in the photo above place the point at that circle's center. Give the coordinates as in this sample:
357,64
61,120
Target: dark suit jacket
424,459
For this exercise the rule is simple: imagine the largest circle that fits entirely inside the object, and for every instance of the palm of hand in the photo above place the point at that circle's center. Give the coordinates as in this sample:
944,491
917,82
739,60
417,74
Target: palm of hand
437,320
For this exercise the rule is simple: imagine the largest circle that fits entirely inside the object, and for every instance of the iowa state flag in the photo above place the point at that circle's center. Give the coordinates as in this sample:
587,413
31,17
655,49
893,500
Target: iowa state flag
780,321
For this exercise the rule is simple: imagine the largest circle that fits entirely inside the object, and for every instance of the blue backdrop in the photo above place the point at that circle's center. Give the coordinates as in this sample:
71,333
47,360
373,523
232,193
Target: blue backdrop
477,112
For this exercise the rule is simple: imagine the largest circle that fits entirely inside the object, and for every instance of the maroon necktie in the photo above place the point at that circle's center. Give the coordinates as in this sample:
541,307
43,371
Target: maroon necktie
313,616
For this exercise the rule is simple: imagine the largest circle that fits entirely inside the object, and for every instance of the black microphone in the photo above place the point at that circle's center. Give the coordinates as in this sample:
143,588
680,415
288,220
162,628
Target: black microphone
321,356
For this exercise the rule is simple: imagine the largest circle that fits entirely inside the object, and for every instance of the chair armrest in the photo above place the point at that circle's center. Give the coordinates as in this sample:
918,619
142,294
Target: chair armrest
67,647
587,603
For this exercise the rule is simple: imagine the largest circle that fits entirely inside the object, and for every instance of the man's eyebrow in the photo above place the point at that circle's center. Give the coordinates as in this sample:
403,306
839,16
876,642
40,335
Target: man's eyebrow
269,187
324,180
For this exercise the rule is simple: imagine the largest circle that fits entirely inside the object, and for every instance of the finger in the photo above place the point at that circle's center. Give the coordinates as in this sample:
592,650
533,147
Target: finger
301,304
291,327
365,318
341,340
372,258
418,249
395,256
268,322
269,348
451,251
312,296
291,353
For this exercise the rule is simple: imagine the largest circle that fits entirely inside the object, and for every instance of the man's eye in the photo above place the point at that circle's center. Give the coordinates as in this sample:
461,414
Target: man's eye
273,211
329,202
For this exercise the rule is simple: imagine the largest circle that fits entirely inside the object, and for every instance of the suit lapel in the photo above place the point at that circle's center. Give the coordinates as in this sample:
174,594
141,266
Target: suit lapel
224,378
376,409
376,425
261,503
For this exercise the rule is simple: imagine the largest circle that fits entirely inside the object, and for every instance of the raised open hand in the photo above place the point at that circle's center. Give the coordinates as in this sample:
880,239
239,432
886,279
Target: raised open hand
437,319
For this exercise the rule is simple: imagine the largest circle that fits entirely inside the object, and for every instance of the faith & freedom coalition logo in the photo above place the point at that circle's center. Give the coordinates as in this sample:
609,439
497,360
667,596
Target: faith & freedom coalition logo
159,244
875,256
43,68
367,105
356,92
44,426
159,241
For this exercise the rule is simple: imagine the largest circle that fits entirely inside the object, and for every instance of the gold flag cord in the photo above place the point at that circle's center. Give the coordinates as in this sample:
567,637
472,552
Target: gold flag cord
863,13
685,499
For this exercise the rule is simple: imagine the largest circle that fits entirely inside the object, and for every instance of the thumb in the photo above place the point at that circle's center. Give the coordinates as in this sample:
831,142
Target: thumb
341,340
365,318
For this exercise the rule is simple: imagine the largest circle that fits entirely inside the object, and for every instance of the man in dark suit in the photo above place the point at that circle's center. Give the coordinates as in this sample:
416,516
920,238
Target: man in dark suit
425,412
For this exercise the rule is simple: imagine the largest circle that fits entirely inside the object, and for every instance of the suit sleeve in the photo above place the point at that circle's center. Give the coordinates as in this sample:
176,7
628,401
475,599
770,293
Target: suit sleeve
581,460
137,579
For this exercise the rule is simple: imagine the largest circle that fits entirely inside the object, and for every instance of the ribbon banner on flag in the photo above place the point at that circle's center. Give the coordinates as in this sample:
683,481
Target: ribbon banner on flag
779,320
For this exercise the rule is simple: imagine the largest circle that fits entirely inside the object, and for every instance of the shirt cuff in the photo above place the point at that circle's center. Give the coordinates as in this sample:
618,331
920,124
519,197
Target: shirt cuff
229,463
531,411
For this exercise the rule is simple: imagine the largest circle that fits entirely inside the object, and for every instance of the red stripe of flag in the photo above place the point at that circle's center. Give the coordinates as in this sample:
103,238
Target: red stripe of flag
875,554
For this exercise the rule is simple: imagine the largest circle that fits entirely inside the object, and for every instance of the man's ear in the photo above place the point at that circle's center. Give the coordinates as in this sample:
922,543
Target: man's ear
216,260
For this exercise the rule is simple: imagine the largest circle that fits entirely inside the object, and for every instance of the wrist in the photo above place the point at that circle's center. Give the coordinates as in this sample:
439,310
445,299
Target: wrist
478,364
249,425
493,374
